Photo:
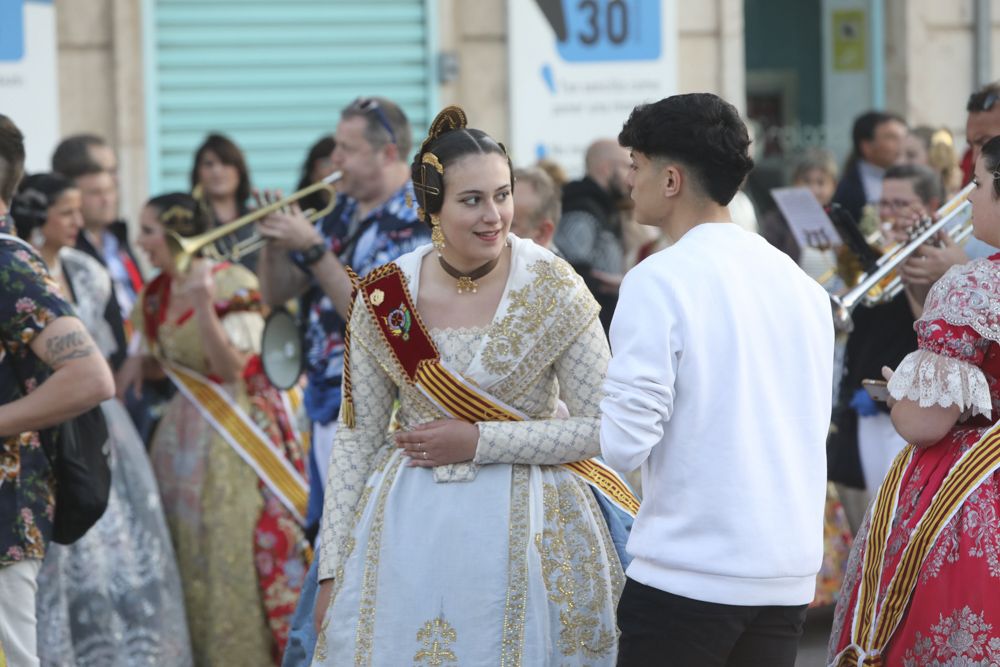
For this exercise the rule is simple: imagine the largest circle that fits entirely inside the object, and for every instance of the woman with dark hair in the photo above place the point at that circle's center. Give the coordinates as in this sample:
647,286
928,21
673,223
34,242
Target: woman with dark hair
470,532
921,586
318,165
221,181
101,600
226,453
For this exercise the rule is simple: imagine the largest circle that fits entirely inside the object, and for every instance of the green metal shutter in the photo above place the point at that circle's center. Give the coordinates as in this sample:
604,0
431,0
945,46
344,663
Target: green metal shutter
273,75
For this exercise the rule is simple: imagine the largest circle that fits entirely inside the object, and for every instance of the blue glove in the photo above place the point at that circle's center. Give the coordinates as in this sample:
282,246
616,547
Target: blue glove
863,404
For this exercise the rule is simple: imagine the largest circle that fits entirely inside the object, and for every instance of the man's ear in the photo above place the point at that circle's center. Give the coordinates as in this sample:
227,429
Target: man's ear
546,230
390,152
671,181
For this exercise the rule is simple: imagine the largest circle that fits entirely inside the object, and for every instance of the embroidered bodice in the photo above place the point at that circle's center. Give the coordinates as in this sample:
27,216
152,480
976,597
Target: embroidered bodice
534,354
179,340
958,360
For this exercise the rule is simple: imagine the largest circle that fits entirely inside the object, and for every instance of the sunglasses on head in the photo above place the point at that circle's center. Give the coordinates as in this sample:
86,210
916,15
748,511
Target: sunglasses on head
371,105
984,104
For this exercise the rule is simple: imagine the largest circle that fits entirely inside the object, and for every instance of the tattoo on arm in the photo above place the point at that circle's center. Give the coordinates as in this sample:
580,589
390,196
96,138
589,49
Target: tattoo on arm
73,345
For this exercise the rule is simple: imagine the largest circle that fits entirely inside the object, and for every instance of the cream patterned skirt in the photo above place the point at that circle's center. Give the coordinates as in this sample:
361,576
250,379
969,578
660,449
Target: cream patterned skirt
513,568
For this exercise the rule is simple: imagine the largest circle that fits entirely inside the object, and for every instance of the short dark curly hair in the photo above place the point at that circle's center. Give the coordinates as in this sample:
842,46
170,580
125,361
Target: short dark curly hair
702,132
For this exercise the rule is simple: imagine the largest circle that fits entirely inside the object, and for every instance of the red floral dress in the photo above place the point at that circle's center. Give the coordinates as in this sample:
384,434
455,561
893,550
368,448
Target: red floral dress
953,614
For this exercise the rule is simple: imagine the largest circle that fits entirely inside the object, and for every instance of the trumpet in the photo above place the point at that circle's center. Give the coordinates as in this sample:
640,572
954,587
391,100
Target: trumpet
871,288
184,249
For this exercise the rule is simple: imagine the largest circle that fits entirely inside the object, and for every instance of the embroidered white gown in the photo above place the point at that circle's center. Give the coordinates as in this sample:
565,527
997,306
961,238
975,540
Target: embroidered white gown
502,561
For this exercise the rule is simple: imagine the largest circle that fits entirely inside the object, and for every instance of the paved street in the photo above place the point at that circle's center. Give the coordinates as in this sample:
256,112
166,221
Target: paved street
812,650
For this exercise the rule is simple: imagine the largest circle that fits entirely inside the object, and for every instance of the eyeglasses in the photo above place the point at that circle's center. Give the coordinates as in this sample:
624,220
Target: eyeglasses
370,104
897,204
985,104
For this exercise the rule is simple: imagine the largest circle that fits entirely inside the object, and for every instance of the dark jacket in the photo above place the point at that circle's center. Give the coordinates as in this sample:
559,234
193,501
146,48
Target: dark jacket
850,192
590,236
882,336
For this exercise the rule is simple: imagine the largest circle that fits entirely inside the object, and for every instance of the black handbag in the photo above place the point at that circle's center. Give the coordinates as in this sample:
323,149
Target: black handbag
79,454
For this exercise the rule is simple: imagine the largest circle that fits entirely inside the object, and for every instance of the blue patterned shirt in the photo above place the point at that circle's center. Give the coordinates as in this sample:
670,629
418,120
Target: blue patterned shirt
389,231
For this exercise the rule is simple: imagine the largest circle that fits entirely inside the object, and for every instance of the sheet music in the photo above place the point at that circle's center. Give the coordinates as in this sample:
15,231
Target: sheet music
808,221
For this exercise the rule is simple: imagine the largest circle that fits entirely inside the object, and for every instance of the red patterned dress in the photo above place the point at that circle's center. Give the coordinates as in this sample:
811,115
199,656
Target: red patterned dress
952,616
241,552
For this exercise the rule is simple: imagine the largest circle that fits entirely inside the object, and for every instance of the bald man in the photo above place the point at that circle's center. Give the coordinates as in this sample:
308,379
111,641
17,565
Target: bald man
589,234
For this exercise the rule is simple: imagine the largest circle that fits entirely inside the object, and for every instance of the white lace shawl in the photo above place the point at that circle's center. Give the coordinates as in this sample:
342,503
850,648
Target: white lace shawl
92,289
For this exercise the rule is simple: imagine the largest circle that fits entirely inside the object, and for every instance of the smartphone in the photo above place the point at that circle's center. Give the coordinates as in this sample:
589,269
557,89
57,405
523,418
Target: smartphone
877,389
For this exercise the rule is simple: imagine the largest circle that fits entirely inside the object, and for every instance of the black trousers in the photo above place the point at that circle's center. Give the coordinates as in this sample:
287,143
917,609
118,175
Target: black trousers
661,629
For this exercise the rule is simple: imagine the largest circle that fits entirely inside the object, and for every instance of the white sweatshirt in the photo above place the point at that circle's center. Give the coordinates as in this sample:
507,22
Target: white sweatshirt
719,387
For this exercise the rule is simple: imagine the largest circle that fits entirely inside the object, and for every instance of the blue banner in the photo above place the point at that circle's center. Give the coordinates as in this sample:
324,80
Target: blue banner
608,30
11,30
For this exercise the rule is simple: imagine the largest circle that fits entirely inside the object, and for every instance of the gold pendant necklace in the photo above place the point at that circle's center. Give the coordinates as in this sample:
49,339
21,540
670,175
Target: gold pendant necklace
467,281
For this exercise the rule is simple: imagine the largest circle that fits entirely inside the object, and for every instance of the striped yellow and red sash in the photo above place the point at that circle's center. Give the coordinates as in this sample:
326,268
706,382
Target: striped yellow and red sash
245,437
873,626
388,300
291,400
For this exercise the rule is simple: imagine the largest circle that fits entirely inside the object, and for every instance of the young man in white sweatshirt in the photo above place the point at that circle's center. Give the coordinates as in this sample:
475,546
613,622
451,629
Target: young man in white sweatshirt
719,388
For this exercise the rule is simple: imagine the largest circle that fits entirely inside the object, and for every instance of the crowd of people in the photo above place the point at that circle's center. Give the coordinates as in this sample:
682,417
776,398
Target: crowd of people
540,421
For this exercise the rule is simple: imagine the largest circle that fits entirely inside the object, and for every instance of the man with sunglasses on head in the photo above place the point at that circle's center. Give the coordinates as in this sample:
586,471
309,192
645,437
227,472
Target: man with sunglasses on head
930,262
983,122
373,222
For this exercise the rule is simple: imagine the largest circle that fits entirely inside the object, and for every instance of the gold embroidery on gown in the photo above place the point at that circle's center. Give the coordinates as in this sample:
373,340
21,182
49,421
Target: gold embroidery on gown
567,349
436,636
575,586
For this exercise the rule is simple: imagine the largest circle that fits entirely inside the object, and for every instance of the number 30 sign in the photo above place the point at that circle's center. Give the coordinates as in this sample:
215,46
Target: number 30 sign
602,30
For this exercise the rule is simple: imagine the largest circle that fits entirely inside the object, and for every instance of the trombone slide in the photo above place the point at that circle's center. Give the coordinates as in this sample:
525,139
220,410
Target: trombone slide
843,305
184,249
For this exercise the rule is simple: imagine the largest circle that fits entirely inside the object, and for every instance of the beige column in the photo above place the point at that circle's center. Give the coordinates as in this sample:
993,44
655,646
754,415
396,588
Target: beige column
101,84
711,49
930,51
476,32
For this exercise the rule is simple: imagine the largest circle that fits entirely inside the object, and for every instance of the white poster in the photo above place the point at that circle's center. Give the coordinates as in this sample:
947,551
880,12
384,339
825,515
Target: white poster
579,67
29,83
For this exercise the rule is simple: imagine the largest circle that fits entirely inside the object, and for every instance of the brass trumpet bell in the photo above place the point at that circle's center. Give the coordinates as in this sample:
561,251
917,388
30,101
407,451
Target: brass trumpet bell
871,288
183,250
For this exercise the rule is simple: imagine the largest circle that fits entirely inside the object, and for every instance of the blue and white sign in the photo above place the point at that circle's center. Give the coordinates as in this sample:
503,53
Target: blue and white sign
578,67
29,83
603,30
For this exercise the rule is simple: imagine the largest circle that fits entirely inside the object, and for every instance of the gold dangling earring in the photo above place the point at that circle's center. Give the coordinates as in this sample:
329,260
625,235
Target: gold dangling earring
437,236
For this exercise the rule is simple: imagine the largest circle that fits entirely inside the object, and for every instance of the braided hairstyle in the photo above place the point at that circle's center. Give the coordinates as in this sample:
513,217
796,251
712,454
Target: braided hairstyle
448,140
35,196
181,213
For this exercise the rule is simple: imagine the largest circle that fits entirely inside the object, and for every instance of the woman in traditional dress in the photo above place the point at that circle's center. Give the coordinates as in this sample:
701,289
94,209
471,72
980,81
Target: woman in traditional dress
114,596
923,582
460,537
229,466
